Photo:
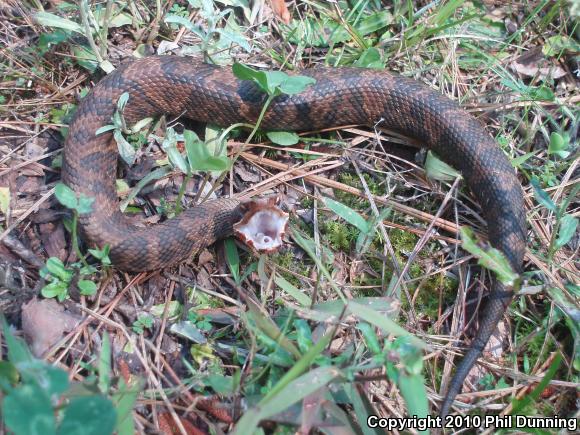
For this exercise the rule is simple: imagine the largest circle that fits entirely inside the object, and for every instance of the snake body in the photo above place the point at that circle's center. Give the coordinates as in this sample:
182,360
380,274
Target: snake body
340,96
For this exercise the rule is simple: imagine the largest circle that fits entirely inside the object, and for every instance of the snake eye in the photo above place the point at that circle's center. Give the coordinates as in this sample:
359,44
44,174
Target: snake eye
263,225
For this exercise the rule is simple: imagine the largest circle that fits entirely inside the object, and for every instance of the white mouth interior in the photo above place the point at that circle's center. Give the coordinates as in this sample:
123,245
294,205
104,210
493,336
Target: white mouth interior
264,230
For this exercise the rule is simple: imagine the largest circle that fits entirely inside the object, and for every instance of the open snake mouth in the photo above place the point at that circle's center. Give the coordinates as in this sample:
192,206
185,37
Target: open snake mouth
263,225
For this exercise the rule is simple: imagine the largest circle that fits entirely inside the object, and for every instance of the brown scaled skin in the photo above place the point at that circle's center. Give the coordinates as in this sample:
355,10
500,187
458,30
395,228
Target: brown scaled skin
173,85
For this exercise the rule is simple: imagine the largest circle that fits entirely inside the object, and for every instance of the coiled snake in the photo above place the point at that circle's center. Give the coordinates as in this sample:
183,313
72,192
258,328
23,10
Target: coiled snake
174,85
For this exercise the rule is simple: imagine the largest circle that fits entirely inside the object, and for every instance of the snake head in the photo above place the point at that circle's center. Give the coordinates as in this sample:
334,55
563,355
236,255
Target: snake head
263,224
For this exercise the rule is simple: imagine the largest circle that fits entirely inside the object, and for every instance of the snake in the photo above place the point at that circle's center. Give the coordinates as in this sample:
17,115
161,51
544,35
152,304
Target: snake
173,85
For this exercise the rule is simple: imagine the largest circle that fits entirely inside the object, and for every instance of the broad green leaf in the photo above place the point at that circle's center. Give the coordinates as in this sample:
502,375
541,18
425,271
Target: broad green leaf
51,20
304,338
85,204
88,415
490,258
104,129
189,331
370,58
212,140
198,155
86,287
274,79
28,411
141,124
56,268
568,225
173,309
194,148
215,144
100,254
124,400
542,196
437,169
85,57
55,289
169,145
574,289
244,72
122,101
223,385
559,144
348,214
542,93
87,270
273,82
296,84
209,163
66,196
126,150
121,19
52,380
283,138
48,40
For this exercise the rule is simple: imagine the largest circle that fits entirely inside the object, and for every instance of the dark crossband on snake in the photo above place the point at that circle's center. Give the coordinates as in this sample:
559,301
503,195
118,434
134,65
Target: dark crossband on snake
340,96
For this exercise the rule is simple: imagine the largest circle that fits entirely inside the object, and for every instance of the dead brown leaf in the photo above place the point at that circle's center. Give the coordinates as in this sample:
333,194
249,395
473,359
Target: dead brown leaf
534,64
246,175
167,426
44,322
53,239
281,10
204,258
535,70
